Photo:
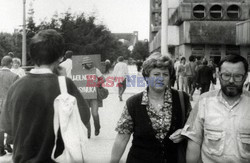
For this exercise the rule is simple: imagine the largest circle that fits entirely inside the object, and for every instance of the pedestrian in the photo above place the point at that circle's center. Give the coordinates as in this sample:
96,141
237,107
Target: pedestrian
67,64
139,65
11,54
205,77
7,78
218,127
107,66
181,74
153,117
212,65
190,76
247,82
16,67
176,65
97,80
120,74
29,111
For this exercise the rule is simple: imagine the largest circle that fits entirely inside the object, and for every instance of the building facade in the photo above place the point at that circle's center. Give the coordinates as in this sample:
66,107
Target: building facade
207,28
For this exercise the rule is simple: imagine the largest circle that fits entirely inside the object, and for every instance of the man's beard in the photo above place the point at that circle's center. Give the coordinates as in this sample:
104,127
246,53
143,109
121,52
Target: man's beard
232,90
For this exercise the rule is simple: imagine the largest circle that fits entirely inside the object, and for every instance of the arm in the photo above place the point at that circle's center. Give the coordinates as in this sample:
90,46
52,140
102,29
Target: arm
119,147
193,152
101,79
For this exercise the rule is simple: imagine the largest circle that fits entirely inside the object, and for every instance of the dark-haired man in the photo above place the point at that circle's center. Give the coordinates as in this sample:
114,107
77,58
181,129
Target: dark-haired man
218,127
190,76
67,64
28,113
205,77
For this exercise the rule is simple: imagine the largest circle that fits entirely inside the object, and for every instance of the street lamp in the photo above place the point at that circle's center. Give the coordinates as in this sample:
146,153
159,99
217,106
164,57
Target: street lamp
24,35
164,28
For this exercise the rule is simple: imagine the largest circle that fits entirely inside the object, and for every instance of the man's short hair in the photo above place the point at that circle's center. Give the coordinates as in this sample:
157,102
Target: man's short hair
204,62
234,58
192,58
46,47
68,54
17,60
11,54
6,61
120,59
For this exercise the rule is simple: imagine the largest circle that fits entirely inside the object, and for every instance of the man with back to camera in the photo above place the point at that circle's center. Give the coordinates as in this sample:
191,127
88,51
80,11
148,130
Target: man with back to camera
28,114
67,64
218,127
7,78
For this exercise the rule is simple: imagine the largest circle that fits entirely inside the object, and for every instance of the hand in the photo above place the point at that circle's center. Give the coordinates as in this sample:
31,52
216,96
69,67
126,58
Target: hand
176,137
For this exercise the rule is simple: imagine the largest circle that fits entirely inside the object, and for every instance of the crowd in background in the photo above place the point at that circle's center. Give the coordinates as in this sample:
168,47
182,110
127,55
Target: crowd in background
161,119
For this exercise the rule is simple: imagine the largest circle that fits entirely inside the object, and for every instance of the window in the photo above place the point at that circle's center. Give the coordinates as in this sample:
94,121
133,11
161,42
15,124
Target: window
198,50
199,11
216,12
233,11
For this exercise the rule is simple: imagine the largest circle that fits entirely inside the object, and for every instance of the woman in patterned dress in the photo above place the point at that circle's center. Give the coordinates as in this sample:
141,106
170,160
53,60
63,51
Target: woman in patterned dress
153,116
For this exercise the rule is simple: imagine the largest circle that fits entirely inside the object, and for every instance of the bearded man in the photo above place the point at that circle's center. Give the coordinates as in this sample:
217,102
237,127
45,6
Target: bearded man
218,127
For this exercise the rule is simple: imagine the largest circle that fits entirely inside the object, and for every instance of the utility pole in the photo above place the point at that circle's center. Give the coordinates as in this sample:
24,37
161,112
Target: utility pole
24,58
164,28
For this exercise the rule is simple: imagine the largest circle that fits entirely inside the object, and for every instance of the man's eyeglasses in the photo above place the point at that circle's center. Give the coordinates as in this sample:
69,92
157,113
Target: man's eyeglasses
236,77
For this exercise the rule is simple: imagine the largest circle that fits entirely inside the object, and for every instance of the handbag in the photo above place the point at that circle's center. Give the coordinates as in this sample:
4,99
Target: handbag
102,93
68,122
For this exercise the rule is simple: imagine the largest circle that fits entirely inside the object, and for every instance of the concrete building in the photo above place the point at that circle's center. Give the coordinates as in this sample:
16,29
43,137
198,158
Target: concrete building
205,28
243,38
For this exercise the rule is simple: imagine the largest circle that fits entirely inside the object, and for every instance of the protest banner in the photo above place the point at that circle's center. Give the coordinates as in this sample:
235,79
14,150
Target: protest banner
83,81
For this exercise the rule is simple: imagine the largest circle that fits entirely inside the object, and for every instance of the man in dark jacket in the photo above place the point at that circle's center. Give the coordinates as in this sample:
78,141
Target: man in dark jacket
205,77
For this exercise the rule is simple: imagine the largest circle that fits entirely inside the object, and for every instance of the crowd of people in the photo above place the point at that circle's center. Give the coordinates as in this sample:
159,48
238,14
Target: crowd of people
195,74
164,126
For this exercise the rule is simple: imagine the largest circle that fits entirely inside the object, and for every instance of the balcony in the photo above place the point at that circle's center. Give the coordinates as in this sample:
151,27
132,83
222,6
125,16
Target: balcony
243,33
154,28
156,9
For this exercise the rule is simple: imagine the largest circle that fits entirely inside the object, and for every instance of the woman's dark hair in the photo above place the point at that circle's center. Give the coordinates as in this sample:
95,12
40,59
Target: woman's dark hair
234,58
68,54
157,61
183,58
46,47
192,58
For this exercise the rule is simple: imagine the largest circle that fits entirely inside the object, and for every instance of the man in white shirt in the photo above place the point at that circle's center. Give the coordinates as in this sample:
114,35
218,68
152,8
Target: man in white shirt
218,127
67,64
120,74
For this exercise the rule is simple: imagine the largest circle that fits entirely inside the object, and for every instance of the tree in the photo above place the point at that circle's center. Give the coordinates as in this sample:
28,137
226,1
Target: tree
81,34
141,50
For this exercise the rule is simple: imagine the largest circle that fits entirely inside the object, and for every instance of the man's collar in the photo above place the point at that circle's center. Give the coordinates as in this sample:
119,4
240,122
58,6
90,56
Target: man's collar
5,68
41,71
224,101
167,97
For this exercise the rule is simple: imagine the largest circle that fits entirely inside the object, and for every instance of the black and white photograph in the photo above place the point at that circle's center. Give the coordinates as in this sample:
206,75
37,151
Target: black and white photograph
124,81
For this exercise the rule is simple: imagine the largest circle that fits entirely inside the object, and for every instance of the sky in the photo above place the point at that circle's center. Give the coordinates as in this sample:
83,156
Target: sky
119,16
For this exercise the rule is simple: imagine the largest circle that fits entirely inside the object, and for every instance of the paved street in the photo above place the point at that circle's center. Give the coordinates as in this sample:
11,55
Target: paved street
99,148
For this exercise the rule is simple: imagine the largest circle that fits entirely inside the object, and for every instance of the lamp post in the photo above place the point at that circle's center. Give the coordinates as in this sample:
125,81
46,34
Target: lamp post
24,36
164,28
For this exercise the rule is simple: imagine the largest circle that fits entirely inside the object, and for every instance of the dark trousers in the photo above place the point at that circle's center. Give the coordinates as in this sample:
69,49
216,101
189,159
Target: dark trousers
8,140
204,88
122,86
